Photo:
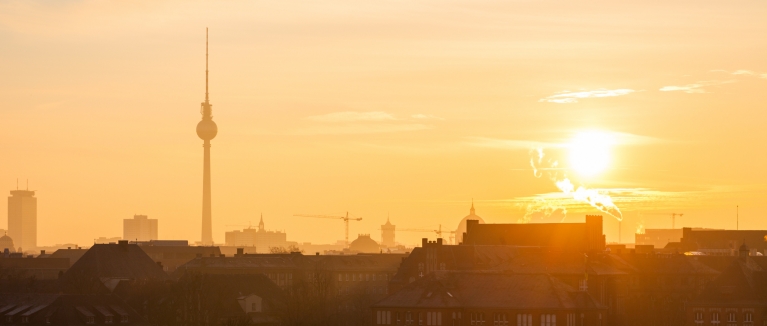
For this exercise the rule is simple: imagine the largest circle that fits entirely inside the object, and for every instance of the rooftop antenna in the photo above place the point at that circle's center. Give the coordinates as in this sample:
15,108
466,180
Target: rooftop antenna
206,65
737,218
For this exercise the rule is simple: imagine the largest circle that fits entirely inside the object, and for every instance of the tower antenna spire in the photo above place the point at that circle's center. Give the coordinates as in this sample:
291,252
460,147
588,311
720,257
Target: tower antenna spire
206,65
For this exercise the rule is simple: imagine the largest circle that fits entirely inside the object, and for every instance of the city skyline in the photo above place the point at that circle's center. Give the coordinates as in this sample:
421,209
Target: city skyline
411,113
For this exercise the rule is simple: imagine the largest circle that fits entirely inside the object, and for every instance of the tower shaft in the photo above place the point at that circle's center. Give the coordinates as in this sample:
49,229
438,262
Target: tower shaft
207,229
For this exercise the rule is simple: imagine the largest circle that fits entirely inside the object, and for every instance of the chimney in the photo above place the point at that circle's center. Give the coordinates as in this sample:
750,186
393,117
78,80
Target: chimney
439,241
317,253
42,252
240,251
123,242
424,241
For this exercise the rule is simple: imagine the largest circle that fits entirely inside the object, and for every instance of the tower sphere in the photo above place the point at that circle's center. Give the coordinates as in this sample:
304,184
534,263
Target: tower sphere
207,129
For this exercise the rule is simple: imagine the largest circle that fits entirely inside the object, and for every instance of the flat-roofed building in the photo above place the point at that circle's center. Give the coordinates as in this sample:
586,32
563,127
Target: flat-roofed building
140,228
22,219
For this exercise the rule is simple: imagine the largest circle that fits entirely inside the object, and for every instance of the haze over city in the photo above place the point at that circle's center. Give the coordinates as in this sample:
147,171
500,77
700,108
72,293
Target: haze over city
407,110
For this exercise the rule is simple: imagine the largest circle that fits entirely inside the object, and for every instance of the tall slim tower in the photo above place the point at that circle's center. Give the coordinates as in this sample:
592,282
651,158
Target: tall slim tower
22,218
206,130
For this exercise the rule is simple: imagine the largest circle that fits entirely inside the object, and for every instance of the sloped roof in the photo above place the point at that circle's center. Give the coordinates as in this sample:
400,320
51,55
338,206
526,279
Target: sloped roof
64,309
73,254
743,280
489,290
124,261
668,265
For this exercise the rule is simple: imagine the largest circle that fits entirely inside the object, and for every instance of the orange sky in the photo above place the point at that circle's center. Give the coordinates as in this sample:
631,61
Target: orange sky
398,107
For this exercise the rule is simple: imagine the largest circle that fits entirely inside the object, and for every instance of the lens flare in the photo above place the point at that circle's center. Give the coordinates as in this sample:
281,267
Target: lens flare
590,152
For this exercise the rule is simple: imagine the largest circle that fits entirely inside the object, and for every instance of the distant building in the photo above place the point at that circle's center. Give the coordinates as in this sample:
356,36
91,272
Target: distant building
105,240
723,242
6,243
259,238
38,268
22,218
104,266
364,244
387,234
738,296
461,229
659,238
140,228
483,298
581,237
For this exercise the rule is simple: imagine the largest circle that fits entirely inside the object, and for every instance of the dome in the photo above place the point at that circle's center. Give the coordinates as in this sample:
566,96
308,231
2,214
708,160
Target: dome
207,129
364,244
6,243
462,225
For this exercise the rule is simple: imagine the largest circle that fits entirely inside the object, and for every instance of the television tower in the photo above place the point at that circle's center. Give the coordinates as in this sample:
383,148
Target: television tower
206,130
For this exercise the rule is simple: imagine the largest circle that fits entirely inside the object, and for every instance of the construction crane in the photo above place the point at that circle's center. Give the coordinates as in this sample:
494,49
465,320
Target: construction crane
673,217
437,231
346,220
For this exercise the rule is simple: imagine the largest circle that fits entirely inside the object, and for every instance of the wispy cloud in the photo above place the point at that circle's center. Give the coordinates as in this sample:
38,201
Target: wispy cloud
743,72
617,138
426,117
359,129
696,88
353,116
572,97
508,143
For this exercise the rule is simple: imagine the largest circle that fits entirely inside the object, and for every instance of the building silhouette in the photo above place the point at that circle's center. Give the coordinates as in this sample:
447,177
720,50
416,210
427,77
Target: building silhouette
206,130
581,237
364,244
22,218
387,234
459,231
140,228
259,238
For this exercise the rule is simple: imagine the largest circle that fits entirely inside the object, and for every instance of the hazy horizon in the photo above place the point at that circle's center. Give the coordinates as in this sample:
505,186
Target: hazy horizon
399,109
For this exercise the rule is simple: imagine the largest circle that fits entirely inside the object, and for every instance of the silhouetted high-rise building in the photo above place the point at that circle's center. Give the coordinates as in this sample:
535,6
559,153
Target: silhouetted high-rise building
387,234
140,228
22,218
206,130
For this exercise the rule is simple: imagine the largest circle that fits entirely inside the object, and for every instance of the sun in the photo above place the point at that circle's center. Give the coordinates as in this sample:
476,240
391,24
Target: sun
590,152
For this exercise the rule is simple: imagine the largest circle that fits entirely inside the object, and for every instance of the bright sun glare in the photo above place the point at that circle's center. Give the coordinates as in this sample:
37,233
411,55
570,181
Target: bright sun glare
590,152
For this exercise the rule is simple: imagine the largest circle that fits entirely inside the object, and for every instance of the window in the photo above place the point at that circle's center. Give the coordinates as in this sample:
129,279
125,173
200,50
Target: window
24,319
698,316
433,318
420,318
90,320
374,277
715,318
548,320
408,318
571,320
383,318
477,318
749,317
524,320
731,317
346,276
123,318
340,277
500,320
367,277
360,277
107,319
583,285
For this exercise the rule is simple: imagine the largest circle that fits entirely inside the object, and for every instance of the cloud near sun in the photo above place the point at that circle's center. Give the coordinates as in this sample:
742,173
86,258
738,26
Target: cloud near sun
572,97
